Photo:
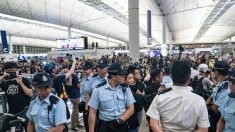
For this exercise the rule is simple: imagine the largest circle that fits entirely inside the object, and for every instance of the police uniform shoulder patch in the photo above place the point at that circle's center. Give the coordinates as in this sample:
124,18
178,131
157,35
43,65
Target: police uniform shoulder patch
95,75
101,84
164,91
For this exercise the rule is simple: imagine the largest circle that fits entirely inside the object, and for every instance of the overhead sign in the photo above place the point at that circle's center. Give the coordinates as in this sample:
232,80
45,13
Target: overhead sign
149,28
4,42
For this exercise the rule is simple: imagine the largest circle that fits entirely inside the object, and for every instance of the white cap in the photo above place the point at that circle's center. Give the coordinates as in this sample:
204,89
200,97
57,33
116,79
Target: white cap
203,68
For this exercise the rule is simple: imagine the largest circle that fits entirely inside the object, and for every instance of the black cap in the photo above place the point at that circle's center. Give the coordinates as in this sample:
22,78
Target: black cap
87,65
116,69
232,75
102,63
49,67
41,80
221,65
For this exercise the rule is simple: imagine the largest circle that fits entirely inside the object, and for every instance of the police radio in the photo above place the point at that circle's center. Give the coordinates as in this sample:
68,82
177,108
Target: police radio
232,95
53,100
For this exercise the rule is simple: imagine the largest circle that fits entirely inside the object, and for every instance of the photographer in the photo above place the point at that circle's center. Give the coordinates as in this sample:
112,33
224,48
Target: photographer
17,89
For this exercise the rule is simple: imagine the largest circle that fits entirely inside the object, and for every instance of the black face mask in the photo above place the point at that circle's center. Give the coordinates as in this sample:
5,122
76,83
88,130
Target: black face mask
232,95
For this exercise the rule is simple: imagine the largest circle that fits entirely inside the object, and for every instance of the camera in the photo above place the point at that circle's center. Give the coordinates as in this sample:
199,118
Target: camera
11,75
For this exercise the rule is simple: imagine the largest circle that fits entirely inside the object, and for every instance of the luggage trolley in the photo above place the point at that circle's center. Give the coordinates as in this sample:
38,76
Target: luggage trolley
11,123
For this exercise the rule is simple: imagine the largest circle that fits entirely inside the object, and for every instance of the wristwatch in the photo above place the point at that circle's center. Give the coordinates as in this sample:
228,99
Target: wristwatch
120,121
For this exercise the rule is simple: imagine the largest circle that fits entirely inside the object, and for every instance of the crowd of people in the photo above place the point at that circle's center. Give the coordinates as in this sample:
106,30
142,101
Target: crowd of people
180,94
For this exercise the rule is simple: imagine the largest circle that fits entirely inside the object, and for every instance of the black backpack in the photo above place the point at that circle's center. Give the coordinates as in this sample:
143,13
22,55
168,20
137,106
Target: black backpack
198,87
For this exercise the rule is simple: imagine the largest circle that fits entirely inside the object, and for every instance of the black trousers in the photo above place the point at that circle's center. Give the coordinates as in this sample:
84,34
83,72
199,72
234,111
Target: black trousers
85,120
213,118
104,126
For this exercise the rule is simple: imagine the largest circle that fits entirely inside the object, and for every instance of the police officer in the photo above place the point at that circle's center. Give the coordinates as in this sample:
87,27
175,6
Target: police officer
114,101
85,83
227,119
97,78
218,96
47,112
178,109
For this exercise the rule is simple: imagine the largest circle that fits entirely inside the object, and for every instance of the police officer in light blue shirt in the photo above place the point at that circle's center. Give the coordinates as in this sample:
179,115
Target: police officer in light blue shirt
114,100
215,102
227,119
85,84
46,112
98,78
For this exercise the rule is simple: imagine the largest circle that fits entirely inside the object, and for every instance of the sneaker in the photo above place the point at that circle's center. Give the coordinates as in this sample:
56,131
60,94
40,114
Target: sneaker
74,129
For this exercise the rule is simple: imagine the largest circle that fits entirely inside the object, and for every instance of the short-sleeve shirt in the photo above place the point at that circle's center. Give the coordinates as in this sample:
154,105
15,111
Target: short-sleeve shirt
228,113
94,82
38,113
85,84
206,83
220,93
111,102
73,91
16,98
179,110
57,83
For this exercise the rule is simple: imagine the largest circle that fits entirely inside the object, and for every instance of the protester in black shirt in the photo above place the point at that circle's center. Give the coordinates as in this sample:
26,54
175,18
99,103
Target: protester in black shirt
17,89
133,121
138,88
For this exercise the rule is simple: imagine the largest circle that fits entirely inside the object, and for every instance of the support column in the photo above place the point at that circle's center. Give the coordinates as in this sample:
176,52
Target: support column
134,39
164,46
10,44
107,42
170,43
126,46
69,32
164,29
24,49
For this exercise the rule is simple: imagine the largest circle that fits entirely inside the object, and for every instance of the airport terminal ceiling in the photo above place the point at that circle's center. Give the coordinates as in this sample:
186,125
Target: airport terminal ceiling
187,20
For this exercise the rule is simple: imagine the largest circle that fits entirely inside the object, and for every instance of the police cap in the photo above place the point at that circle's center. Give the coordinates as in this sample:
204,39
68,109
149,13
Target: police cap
87,65
103,63
221,65
49,67
41,80
116,69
